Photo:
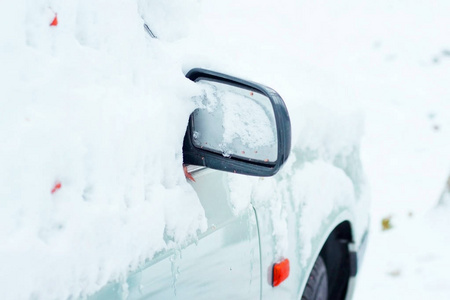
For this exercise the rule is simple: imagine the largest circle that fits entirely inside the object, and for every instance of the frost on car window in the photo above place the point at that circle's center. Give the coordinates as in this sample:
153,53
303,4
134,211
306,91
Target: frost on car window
235,122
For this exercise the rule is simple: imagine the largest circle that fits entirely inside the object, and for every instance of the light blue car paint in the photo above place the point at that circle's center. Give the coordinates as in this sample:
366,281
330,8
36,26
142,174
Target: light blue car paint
226,262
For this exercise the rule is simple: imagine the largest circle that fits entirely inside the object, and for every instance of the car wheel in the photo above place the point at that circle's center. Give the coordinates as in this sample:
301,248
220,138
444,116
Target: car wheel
317,286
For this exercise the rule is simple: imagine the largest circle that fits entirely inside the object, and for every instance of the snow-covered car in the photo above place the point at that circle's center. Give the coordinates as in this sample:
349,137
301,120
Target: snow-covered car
265,238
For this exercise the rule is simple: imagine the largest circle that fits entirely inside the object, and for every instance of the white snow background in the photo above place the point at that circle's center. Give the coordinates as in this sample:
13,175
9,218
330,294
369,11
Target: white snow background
97,105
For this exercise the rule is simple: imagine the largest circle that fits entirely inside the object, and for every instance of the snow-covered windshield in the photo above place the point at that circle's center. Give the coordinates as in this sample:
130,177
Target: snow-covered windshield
235,122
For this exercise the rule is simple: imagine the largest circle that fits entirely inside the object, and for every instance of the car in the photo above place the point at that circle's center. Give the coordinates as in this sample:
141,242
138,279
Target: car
266,237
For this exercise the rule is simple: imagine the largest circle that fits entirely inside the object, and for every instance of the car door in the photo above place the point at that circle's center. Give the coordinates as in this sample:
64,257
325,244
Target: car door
223,264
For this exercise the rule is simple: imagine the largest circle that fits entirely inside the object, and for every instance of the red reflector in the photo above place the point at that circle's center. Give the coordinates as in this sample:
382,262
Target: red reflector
280,272
56,187
55,21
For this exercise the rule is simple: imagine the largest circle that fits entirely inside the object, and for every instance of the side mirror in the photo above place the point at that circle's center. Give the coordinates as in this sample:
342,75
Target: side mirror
240,126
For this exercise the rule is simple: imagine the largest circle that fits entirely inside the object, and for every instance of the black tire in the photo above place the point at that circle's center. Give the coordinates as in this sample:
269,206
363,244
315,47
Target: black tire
317,286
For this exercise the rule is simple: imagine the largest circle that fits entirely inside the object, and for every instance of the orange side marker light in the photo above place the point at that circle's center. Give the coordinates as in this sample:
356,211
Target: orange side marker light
56,187
55,21
280,272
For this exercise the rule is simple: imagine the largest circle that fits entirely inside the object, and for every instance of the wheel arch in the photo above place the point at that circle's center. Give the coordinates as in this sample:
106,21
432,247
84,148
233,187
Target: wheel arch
339,235
338,260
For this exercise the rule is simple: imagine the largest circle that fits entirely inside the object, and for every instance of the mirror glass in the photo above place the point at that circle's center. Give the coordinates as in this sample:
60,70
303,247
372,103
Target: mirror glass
235,122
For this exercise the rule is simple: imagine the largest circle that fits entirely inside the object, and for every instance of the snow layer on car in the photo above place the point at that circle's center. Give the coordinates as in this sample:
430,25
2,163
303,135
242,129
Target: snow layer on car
88,106
93,117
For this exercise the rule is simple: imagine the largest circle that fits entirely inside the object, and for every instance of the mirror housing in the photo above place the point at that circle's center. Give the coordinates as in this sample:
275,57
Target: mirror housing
194,155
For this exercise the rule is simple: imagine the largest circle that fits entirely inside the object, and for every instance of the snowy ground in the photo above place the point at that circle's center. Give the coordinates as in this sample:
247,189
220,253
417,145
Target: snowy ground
76,107
406,151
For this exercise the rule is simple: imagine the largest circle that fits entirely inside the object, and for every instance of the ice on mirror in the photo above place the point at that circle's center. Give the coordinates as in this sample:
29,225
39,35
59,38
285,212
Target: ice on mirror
248,121
225,150
196,135
235,122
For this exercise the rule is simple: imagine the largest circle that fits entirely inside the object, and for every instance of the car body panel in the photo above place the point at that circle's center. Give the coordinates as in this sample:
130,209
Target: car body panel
227,252
227,260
